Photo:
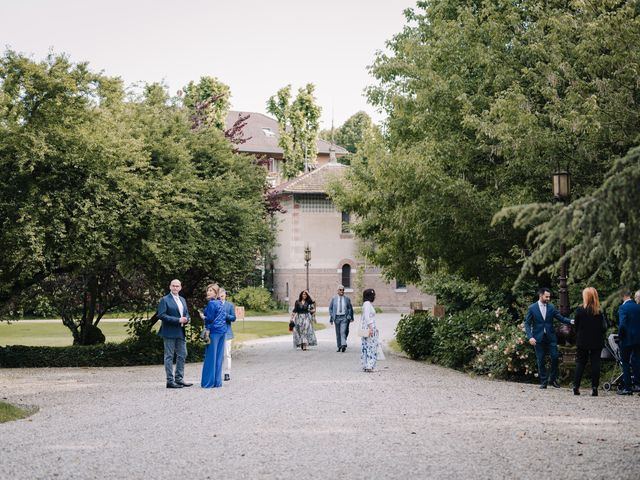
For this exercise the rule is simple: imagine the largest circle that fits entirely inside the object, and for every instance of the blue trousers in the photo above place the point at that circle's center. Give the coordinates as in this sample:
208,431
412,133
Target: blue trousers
342,326
179,347
213,359
630,361
550,346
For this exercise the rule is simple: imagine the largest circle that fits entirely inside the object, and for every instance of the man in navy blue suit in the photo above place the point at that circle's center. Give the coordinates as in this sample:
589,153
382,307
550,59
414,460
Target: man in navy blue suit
629,335
173,312
538,325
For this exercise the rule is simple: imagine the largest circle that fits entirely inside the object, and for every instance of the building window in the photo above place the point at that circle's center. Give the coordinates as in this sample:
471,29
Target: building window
346,275
315,203
401,286
268,132
346,222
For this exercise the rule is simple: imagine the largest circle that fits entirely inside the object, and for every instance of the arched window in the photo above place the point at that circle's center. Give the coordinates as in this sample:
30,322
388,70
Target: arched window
346,275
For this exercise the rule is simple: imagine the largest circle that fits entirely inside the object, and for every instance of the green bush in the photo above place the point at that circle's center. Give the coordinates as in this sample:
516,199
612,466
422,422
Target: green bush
414,334
127,353
253,298
453,336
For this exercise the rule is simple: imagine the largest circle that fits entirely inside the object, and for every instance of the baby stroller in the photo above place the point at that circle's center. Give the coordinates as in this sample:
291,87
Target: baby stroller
611,351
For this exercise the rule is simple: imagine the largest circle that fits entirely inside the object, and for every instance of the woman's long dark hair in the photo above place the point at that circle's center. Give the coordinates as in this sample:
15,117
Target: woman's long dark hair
309,299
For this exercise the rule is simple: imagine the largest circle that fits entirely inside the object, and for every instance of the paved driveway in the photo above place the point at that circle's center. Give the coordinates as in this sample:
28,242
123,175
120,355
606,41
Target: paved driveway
292,414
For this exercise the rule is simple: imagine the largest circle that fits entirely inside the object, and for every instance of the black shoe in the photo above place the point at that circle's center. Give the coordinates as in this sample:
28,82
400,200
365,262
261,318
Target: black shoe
344,348
576,391
594,392
173,385
555,384
227,377
183,384
543,386
624,392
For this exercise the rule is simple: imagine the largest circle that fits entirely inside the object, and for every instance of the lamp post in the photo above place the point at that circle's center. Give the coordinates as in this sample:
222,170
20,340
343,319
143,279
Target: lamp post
562,192
307,259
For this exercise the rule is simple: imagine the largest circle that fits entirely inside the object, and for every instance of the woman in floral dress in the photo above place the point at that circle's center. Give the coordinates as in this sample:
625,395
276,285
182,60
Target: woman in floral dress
369,354
303,333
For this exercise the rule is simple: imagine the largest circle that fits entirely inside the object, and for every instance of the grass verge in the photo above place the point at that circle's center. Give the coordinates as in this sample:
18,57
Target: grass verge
10,412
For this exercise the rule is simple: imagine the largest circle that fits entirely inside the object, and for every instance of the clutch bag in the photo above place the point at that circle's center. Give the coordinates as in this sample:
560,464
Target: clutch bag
204,335
363,332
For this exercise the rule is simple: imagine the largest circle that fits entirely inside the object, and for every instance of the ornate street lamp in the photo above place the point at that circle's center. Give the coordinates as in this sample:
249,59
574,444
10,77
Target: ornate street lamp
561,186
307,259
562,192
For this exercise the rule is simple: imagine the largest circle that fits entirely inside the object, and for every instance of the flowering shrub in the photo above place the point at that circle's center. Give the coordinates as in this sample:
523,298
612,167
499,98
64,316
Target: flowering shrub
502,351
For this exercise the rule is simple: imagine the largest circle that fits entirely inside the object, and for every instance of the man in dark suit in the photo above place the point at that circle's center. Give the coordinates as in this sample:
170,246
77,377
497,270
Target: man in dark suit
173,312
629,335
538,325
341,313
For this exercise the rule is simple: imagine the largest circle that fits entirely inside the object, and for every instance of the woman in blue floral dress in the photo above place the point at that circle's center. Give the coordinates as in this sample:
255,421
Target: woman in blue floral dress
303,333
369,354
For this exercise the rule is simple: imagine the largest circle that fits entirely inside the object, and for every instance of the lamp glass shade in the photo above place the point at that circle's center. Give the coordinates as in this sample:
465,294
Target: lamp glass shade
561,185
307,254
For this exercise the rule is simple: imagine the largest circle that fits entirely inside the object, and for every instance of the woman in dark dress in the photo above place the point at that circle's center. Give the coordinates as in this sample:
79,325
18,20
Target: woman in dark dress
303,333
590,329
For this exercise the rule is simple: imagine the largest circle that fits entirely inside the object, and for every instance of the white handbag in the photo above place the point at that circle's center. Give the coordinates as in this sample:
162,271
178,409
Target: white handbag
363,331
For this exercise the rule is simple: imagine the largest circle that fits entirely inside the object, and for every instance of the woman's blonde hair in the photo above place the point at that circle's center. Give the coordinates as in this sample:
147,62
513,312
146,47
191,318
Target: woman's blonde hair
591,300
215,287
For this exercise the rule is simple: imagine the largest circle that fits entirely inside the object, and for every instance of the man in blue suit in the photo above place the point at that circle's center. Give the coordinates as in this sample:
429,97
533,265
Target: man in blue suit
341,313
629,335
538,325
173,312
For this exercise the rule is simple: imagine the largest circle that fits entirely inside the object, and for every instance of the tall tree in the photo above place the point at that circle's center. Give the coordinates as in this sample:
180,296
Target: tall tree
352,133
484,101
105,200
299,122
209,102
601,230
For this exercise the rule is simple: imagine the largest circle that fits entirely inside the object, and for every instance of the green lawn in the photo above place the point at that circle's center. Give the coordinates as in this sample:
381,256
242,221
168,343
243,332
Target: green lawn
57,335
257,329
10,412
52,334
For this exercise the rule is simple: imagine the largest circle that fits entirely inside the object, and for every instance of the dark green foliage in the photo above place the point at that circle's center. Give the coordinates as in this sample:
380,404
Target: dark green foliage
453,336
457,294
105,200
601,230
484,101
414,334
127,353
253,298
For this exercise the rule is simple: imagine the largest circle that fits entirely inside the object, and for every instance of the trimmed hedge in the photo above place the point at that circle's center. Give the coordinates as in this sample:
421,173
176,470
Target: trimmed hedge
127,353
414,334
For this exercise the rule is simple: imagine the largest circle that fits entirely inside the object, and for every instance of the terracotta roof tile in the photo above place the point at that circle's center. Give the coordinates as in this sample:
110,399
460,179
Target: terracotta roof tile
313,182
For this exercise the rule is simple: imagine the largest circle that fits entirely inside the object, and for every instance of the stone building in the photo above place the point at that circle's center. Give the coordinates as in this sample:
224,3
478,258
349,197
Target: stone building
312,221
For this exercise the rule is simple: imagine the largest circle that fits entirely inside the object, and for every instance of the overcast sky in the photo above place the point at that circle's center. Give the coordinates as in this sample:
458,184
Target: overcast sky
254,46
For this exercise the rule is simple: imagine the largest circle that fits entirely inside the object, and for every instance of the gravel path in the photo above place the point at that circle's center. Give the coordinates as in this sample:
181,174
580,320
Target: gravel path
293,414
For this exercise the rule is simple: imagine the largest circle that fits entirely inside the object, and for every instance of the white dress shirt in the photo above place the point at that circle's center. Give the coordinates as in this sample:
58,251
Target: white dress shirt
179,302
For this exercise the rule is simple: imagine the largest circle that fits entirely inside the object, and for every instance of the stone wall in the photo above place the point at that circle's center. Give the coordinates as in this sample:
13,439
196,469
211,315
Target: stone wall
323,284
